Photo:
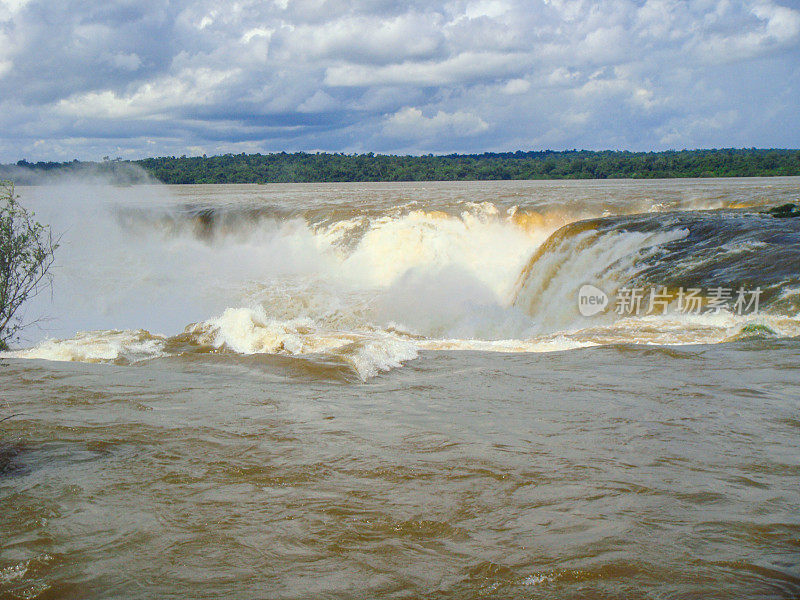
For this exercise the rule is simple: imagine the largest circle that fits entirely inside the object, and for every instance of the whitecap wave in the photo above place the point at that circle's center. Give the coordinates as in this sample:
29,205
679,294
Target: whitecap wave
97,346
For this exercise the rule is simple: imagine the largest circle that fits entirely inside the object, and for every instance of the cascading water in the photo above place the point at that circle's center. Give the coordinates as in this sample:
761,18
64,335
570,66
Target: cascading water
144,275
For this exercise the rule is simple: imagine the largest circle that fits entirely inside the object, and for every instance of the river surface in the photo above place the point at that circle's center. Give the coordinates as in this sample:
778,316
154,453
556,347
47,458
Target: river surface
436,390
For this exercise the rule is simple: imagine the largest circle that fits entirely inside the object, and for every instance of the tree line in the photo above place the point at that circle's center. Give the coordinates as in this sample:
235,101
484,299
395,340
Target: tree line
338,167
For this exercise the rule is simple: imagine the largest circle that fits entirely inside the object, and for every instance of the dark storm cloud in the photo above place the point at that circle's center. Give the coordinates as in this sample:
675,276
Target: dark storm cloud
151,77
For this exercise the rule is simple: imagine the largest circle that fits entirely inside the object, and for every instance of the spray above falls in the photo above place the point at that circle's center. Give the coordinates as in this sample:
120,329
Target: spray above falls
368,279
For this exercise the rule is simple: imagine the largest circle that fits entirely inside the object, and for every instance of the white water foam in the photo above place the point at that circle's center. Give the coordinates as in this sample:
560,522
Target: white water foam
252,331
97,346
371,289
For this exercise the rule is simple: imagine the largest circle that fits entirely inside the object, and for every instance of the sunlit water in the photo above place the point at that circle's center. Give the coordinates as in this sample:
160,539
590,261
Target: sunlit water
388,391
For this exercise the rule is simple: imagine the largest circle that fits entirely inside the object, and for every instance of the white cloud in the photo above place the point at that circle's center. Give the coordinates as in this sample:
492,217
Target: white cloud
771,28
516,86
561,77
9,7
782,23
369,39
190,87
411,123
313,74
486,8
606,45
319,102
462,68
257,32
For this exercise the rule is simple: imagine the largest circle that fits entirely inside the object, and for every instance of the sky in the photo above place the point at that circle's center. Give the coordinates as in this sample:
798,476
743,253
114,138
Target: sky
135,78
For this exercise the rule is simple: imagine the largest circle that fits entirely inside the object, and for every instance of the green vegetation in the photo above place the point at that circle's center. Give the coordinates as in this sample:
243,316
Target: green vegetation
26,255
321,167
754,331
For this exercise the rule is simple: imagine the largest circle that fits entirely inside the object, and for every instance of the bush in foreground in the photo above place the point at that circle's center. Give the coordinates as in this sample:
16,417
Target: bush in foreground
27,251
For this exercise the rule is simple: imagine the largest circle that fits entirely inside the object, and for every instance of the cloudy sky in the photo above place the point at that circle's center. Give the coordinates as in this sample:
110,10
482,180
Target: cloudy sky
133,78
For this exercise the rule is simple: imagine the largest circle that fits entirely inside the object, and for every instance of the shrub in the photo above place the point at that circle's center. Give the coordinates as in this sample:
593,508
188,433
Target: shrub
26,255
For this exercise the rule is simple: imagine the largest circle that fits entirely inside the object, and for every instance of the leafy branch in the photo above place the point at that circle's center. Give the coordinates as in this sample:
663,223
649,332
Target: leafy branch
27,252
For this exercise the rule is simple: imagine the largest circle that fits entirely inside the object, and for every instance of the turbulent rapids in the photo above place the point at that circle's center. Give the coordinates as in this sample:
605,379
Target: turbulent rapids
517,390
353,281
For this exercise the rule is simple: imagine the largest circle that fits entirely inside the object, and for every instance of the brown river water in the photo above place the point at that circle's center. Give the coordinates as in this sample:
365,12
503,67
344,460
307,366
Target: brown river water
390,391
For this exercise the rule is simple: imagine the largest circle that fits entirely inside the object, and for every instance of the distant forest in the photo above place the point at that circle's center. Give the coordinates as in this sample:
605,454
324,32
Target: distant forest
326,167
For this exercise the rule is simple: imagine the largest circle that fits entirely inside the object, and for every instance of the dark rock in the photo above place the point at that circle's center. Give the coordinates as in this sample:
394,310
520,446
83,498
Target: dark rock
10,463
785,211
